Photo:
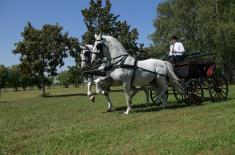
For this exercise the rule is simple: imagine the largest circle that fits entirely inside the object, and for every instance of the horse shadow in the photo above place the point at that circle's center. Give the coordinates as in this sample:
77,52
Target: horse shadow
3,101
66,95
208,100
142,108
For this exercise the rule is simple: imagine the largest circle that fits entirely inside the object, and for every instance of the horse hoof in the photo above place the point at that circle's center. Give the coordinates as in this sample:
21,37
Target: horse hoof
92,98
126,113
89,94
109,110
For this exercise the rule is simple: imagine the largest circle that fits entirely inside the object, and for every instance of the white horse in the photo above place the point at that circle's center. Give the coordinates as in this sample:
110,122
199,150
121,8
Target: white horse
85,56
102,83
85,63
130,72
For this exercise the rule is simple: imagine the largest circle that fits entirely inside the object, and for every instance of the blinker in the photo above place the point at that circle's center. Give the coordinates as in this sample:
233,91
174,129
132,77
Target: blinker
87,54
99,47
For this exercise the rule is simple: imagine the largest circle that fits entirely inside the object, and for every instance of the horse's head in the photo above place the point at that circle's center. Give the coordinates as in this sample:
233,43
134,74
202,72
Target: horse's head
85,56
98,48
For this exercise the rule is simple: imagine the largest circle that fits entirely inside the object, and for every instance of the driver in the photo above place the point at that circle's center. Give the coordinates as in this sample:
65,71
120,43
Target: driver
176,50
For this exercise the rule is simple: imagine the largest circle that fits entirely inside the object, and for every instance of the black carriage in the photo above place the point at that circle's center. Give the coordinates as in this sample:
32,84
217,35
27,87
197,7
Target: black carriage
197,75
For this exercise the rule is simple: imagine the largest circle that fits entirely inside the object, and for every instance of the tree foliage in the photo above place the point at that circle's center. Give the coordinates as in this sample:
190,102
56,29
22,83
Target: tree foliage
202,25
99,19
43,50
3,76
14,77
76,75
71,76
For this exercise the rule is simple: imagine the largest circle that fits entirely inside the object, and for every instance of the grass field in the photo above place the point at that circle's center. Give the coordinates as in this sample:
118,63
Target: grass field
71,124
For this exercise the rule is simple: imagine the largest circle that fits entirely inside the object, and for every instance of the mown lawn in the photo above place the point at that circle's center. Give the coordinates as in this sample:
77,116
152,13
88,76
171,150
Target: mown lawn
71,124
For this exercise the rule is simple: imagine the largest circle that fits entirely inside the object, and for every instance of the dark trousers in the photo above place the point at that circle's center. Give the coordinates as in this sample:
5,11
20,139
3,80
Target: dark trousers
176,58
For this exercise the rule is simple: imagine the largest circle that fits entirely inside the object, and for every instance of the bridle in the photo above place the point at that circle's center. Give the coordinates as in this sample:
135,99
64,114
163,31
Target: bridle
103,58
87,55
100,47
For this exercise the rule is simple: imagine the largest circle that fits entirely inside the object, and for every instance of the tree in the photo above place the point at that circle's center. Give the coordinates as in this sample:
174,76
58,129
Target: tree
71,76
76,75
26,77
3,76
202,25
43,50
99,19
14,77
65,78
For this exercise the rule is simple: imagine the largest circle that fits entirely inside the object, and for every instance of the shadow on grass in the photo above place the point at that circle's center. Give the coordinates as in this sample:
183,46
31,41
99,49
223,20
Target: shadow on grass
207,100
149,108
157,108
77,94
3,101
171,105
66,95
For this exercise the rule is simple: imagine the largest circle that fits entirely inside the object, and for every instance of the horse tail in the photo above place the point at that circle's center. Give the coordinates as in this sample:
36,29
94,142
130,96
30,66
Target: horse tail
172,77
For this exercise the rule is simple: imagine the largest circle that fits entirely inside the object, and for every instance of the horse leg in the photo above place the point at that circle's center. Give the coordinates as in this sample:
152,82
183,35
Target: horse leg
89,84
97,86
163,86
133,92
146,91
110,106
127,90
103,89
154,86
163,96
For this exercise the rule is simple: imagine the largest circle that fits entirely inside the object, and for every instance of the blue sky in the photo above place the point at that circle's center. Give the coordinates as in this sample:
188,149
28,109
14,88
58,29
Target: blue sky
14,15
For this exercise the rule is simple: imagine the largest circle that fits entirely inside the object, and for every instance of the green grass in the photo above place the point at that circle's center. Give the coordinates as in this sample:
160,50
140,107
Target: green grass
72,124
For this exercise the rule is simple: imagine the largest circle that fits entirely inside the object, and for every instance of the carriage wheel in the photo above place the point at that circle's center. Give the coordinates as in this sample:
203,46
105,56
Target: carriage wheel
154,95
218,88
194,93
205,83
179,95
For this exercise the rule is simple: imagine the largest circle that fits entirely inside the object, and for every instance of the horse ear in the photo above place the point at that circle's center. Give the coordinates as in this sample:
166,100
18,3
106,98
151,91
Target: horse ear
96,36
100,35
82,47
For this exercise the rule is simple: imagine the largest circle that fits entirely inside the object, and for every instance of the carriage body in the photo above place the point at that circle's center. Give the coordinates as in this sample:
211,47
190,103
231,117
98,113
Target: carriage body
197,74
194,69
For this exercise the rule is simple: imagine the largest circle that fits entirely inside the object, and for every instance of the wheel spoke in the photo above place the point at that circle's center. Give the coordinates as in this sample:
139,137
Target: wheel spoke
222,95
224,91
212,91
154,96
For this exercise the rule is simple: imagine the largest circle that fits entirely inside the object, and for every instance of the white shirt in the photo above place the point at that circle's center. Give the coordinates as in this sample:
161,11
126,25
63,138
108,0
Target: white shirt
176,49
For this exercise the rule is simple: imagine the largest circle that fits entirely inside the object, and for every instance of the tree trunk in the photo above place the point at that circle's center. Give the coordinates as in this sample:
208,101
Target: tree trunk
43,91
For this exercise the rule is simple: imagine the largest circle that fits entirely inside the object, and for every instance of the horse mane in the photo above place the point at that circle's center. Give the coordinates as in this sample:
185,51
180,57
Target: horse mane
113,42
89,46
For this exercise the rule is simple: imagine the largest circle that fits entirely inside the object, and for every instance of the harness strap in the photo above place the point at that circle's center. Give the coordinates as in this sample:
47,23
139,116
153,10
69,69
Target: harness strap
133,75
116,64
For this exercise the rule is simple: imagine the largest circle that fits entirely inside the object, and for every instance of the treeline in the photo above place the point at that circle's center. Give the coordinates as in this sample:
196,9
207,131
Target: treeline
18,77
72,76
202,26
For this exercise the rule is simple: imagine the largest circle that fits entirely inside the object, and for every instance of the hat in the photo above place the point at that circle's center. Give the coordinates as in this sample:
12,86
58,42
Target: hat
174,37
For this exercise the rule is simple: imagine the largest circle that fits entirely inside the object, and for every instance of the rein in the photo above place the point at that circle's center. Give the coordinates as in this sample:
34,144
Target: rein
115,65
112,59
